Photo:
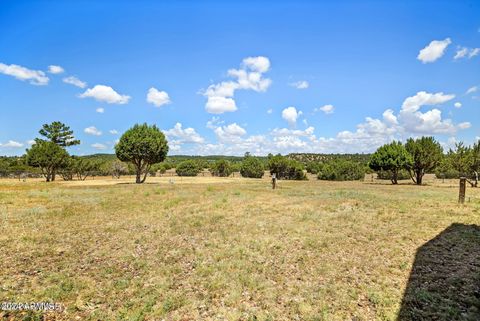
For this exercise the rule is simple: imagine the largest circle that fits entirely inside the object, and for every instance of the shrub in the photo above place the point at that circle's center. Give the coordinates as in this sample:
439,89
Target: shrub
159,167
448,174
188,168
222,168
313,167
252,167
285,168
341,170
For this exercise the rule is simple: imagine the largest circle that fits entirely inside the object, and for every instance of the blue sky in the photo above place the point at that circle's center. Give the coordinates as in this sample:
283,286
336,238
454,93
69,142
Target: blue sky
226,77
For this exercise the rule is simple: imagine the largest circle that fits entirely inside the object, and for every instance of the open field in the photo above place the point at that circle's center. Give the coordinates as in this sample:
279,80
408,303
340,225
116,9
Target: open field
233,249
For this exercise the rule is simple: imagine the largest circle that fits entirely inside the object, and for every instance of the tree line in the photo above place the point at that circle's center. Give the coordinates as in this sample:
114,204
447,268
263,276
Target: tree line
142,150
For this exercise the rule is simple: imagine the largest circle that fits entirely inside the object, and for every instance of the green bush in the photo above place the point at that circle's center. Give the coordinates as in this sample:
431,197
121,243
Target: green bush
285,168
159,167
313,167
252,167
188,168
341,170
449,174
222,168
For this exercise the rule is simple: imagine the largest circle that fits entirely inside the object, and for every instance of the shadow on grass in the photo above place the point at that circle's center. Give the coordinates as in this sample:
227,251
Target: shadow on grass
444,283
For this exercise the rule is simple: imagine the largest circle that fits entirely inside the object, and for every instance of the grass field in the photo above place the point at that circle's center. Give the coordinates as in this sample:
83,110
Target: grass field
234,249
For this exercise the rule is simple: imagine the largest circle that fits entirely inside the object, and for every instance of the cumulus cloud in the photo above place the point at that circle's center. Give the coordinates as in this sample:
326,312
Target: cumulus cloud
100,110
430,122
423,98
220,105
220,97
35,77
230,133
308,132
433,51
113,131
289,142
55,69
327,109
92,130
157,97
72,80
12,144
389,117
290,114
106,94
259,64
457,105
99,146
464,52
269,111
183,135
302,84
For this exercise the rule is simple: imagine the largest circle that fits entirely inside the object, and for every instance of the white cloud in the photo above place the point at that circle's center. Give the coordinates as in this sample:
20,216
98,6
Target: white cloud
289,142
181,135
113,131
308,132
99,146
158,98
260,64
461,52
55,69
269,111
92,130
471,90
250,80
327,109
220,105
389,117
433,51
290,114
100,110
430,122
106,94
72,80
35,77
220,97
302,84
464,125
464,52
423,98
457,105
12,144
230,133
31,142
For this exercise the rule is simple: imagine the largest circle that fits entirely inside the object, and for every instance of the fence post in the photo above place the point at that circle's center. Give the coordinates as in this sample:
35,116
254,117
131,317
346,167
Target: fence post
461,192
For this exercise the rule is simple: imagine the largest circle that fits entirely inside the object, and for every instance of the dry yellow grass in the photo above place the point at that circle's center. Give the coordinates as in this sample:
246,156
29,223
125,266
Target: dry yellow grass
219,249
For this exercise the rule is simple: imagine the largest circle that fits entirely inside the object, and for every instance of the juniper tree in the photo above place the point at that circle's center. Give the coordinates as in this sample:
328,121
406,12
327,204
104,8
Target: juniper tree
143,146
